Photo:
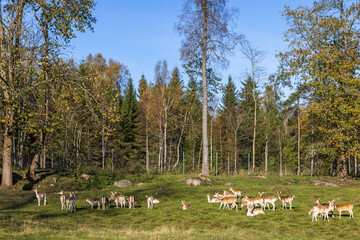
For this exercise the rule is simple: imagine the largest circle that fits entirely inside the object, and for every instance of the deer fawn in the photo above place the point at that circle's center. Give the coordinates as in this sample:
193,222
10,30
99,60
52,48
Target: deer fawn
321,209
326,204
236,192
93,201
40,195
345,207
285,199
212,200
252,211
62,199
185,206
268,200
150,201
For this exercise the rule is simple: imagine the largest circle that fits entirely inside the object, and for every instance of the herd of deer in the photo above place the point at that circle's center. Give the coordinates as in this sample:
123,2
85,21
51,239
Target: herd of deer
68,202
226,199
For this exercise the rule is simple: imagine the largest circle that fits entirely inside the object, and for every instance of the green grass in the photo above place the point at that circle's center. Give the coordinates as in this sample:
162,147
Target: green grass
21,218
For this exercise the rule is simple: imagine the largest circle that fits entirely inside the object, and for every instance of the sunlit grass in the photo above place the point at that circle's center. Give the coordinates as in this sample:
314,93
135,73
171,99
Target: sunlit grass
21,218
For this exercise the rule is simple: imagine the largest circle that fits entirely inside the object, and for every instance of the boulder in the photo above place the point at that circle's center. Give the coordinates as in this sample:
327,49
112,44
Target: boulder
123,183
229,184
141,184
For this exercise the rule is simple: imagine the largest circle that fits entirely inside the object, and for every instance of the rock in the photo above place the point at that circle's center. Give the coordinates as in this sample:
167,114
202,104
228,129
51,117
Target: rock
326,183
51,185
230,184
54,179
123,184
141,184
259,176
192,182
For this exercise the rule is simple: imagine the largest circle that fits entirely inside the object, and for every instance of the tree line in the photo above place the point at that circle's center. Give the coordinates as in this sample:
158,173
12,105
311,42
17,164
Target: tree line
57,113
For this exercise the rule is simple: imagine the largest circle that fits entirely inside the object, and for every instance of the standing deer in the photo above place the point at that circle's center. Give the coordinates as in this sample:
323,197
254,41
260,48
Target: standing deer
39,196
150,201
104,202
285,199
62,199
93,201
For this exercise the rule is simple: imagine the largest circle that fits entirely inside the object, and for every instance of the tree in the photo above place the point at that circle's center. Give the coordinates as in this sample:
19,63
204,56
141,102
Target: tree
255,57
323,54
206,28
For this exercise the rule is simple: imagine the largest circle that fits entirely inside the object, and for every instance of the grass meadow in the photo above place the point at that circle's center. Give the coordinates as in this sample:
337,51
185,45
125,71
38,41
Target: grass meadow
21,218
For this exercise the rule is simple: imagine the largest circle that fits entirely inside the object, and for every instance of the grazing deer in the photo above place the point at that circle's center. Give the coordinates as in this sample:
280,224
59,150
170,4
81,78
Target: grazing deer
212,200
268,200
156,201
119,199
326,204
236,192
345,207
150,201
93,201
285,199
131,201
185,206
321,209
104,202
252,211
62,199
227,200
39,196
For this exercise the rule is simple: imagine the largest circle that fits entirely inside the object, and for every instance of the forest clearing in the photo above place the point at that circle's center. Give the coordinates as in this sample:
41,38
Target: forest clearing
22,218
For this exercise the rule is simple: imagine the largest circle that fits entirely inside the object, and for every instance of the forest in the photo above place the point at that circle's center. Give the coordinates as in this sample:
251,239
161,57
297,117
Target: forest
57,113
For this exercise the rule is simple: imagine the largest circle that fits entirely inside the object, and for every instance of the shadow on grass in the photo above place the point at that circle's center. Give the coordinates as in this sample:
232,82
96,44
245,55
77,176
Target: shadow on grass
32,182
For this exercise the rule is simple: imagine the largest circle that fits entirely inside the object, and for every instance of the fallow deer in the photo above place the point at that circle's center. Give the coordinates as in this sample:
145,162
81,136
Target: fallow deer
345,207
236,192
118,199
285,199
227,200
268,200
150,201
62,199
39,196
252,211
212,200
93,201
104,202
326,204
185,206
321,209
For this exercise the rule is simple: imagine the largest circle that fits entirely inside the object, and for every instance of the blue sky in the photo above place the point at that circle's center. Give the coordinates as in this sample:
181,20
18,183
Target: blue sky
138,33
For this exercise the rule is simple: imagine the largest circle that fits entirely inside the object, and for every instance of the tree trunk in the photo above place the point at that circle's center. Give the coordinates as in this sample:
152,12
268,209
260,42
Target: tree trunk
7,179
33,167
165,140
299,132
254,138
103,145
147,145
211,143
228,165
235,157
266,151
205,163
193,157
342,172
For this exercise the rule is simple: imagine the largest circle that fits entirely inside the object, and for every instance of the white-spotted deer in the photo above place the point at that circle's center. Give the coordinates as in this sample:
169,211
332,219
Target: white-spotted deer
285,199
252,211
70,202
131,201
268,200
212,200
62,199
150,201
227,200
185,206
345,207
326,204
93,201
39,196
321,209
118,199
256,201
104,202
236,192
